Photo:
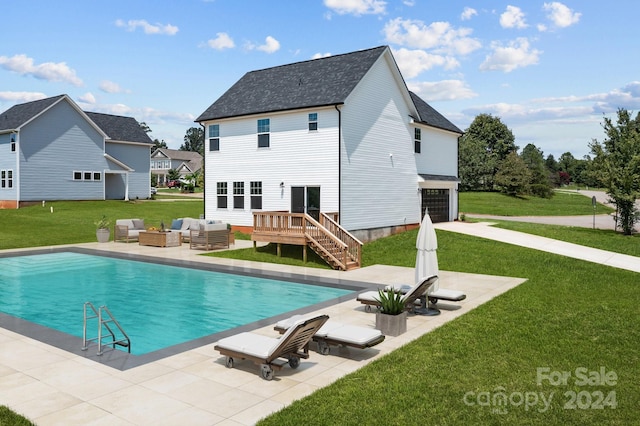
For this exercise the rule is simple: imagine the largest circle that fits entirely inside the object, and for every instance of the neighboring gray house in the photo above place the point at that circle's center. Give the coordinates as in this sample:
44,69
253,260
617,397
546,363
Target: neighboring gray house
184,162
52,150
340,135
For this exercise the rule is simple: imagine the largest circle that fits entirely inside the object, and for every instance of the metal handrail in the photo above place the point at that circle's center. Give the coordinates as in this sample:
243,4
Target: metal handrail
98,314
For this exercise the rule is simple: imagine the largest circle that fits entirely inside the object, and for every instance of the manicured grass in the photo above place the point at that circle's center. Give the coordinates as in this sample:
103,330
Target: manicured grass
73,221
561,204
290,255
10,418
569,314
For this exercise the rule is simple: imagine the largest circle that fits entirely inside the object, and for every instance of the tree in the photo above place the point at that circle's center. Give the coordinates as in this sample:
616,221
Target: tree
617,166
484,145
173,174
145,127
194,140
159,144
539,185
513,176
474,169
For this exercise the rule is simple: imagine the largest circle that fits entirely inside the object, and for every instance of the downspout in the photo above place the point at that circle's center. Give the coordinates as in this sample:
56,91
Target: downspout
204,182
16,177
339,163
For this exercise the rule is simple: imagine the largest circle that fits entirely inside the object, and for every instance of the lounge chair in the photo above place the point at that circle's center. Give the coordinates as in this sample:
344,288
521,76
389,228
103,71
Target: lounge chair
411,298
434,293
267,351
334,333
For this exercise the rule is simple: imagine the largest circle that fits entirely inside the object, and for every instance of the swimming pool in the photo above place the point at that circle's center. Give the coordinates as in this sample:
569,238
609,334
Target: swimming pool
157,305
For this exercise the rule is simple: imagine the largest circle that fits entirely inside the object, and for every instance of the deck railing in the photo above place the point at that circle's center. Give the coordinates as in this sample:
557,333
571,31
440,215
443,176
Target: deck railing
326,237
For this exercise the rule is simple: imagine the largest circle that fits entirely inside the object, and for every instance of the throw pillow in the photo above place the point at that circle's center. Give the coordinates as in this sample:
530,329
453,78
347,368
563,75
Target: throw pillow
138,223
176,224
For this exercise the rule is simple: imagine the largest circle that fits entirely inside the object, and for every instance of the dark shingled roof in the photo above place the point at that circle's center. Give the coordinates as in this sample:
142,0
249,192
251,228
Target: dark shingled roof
431,117
120,128
17,115
318,82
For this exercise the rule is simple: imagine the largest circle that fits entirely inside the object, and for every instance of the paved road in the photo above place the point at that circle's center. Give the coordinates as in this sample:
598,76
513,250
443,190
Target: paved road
600,221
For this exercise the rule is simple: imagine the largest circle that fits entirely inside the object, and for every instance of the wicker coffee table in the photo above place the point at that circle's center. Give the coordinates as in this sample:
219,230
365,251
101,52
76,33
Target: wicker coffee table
160,239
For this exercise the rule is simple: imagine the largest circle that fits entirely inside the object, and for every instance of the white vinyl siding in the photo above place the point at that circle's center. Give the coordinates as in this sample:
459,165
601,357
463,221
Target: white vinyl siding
296,157
379,176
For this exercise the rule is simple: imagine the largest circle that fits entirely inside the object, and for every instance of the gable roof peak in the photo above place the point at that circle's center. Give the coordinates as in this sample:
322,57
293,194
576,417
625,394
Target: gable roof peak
308,84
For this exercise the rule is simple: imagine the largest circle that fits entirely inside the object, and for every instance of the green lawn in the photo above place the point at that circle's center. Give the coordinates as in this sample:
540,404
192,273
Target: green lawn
561,204
73,221
570,314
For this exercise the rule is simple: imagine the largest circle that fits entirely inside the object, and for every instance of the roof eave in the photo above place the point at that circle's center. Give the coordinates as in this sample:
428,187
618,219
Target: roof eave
271,111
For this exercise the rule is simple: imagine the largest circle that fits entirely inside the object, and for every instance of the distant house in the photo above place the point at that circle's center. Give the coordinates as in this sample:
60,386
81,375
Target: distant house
52,150
184,162
340,135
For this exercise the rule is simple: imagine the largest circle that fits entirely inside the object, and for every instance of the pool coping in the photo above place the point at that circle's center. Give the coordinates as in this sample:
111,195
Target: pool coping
121,360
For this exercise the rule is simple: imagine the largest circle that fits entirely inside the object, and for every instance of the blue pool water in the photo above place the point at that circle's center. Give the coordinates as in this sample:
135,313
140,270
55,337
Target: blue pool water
157,305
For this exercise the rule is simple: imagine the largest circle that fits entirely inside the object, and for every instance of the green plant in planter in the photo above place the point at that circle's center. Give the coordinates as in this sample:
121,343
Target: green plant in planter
103,223
391,302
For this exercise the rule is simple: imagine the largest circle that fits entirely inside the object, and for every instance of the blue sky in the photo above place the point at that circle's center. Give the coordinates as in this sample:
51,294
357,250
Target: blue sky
549,70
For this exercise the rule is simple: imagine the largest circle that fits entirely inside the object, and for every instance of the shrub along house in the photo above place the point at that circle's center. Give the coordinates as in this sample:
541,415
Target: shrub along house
52,150
338,138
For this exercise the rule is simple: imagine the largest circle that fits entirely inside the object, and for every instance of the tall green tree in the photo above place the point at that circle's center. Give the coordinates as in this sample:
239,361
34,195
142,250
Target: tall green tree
194,140
540,184
513,176
159,144
484,145
616,163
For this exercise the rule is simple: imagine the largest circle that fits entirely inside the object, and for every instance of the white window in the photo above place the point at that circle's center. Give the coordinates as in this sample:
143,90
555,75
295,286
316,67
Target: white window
214,137
255,188
264,127
6,179
313,121
238,195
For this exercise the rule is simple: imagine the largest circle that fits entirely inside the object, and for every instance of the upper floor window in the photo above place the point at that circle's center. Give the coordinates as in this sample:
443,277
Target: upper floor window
222,194
264,126
238,195
214,137
417,140
313,121
256,195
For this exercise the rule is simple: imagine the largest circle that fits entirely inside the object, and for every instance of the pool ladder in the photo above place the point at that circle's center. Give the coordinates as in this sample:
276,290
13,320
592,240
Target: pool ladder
105,318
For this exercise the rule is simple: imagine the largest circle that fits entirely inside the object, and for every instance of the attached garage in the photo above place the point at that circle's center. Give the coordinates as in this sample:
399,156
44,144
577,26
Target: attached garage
439,194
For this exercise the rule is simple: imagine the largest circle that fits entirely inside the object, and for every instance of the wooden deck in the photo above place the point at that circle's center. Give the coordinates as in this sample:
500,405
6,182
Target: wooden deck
327,238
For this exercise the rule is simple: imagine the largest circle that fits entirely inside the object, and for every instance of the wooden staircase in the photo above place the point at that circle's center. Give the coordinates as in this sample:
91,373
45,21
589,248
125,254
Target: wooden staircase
333,243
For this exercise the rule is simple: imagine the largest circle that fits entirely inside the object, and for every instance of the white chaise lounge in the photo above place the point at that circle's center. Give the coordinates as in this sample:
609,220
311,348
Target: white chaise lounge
272,353
334,333
411,298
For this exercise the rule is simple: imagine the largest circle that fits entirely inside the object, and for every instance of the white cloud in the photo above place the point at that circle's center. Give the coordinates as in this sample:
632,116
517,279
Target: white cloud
440,36
88,98
513,17
414,62
517,54
49,71
221,42
445,90
111,87
560,15
148,28
468,13
321,55
270,45
357,7
21,97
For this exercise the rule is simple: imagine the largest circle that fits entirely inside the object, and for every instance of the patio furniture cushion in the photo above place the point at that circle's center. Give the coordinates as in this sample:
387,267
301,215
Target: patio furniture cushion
176,224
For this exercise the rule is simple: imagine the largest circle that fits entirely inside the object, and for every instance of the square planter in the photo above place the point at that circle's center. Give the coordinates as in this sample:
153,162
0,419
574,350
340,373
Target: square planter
391,325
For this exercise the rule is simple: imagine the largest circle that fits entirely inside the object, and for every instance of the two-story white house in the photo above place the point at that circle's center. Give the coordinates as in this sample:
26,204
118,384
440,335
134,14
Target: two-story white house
340,135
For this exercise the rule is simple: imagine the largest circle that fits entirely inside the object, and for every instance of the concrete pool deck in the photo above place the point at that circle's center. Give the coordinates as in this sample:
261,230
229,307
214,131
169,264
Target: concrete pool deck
52,386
